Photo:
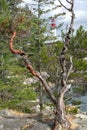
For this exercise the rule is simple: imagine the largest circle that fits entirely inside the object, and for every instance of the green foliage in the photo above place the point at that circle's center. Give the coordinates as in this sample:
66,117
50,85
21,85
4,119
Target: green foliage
73,110
78,47
26,94
31,29
44,56
76,102
16,70
85,77
80,64
13,98
80,89
78,43
58,47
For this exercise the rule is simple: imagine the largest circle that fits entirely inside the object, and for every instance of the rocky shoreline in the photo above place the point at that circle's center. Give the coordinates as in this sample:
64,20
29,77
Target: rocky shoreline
13,120
81,121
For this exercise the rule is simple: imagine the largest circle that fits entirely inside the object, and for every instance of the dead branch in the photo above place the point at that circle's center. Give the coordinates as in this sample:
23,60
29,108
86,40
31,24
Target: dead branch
65,73
64,5
61,117
20,52
70,69
69,2
31,69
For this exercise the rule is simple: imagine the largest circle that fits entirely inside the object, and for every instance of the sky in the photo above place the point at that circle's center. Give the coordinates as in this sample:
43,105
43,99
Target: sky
80,7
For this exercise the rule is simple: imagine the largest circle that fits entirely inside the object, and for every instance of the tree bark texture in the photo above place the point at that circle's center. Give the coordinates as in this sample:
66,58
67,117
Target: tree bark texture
60,113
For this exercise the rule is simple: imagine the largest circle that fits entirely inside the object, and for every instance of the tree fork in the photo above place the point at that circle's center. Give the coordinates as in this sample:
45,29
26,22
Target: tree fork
60,115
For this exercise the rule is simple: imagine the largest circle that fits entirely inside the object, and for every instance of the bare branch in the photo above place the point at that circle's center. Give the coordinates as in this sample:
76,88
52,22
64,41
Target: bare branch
20,52
67,39
65,72
31,69
69,2
70,69
64,5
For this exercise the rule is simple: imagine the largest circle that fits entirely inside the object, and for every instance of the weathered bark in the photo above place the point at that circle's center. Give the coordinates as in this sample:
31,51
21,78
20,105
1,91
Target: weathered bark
60,114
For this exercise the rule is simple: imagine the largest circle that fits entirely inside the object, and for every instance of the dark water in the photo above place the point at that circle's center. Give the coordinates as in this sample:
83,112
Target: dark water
83,100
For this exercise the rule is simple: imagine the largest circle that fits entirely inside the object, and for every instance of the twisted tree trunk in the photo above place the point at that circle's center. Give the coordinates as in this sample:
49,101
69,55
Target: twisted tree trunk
60,113
31,69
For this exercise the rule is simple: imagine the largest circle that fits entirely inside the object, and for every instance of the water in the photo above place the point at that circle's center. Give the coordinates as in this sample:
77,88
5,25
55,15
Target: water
83,100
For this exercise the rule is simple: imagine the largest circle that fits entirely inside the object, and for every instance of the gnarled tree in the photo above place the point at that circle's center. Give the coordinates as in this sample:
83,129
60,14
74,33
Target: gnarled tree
60,113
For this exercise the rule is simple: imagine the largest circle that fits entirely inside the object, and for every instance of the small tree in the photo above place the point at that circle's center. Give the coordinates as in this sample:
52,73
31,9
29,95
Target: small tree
65,60
79,51
39,29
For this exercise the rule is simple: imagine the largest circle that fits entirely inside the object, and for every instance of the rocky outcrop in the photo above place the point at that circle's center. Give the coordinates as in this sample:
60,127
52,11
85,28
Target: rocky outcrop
13,120
81,120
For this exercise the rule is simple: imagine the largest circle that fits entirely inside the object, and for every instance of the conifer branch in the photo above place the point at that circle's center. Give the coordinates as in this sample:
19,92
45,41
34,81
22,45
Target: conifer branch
31,69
